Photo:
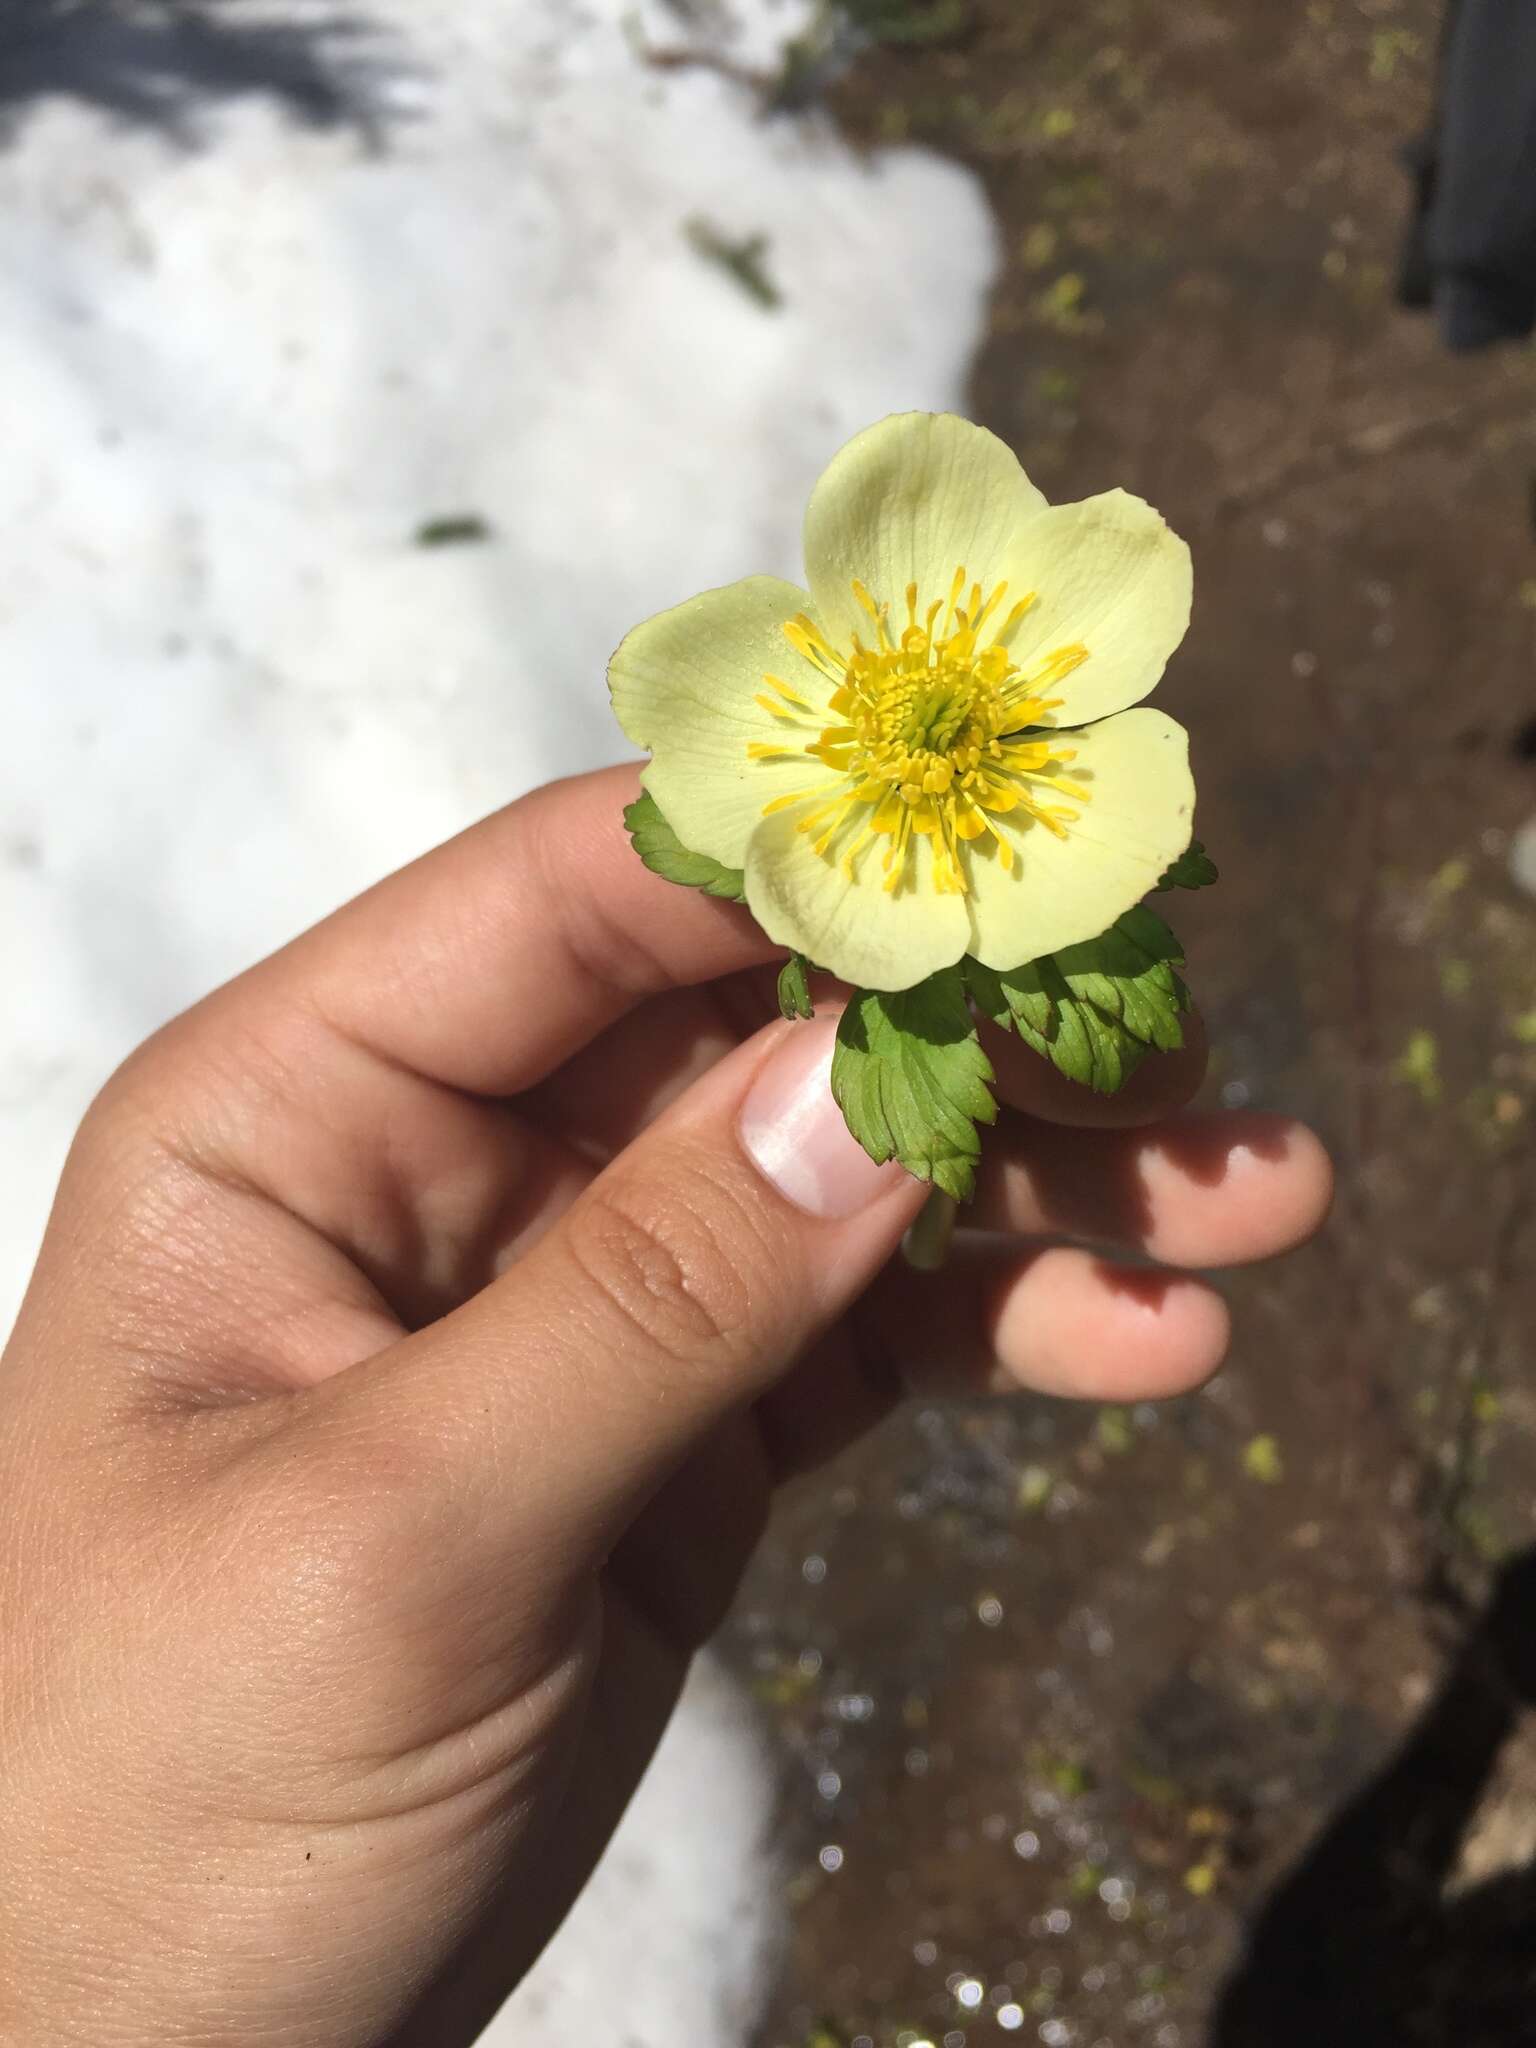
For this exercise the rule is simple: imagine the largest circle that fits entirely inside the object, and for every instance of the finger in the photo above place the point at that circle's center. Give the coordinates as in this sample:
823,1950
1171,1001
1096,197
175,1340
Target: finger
319,1083
608,1092
1203,1191
680,1286
613,1087
997,1319
1057,1320
489,961
1217,1190
1163,1082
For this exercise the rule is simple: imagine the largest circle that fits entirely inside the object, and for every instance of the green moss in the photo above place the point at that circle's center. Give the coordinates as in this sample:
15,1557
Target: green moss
1034,1490
1455,978
1390,49
1417,1066
1262,1461
1113,1432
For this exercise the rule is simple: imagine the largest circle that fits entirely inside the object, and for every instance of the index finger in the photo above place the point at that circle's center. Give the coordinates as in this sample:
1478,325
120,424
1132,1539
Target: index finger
490,960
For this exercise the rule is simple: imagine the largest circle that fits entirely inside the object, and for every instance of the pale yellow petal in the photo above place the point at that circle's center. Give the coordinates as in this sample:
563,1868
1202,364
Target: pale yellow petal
912,500
685,686
1110,575
1137,820
856,929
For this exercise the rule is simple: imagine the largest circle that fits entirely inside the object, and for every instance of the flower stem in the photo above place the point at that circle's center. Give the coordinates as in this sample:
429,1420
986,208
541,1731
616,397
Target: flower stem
926,1244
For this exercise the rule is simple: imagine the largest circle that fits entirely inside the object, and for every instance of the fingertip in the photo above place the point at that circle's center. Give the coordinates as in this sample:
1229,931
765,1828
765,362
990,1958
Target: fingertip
1280,1173
1072,1324
1309,1184
1233,1187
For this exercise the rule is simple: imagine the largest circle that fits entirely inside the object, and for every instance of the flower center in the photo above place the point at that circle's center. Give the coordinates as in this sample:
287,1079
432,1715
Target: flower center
937,734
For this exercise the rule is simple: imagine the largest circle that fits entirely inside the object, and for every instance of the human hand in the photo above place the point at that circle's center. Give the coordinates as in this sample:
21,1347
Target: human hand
422,1325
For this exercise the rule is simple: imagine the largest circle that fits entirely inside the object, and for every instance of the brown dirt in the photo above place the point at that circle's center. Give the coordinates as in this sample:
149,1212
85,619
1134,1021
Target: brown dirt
1064,1695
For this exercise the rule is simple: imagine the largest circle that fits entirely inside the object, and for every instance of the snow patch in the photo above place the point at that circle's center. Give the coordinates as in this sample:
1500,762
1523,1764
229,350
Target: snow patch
240,379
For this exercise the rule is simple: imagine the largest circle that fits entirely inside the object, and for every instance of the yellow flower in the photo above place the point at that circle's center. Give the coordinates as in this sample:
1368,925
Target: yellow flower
930,754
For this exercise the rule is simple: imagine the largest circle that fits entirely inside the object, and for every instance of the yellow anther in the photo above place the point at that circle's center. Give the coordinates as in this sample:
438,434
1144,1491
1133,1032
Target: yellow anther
921,735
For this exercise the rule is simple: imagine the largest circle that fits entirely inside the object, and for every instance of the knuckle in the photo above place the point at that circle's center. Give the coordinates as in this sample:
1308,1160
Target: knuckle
687,1260
218,1071
158,1154
601,949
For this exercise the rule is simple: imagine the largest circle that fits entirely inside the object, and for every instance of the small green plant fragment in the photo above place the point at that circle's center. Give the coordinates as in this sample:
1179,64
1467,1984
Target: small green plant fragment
741,258
1059,388
1034,1490
825,2036
912,1080
658,846
1450,878
1066,1775
1262,1461
1485,1405
1094,1010
452,530
1194,869
1060,305
795,988
1154,1788
1389,46
1455,978
1418,1066
1113,1432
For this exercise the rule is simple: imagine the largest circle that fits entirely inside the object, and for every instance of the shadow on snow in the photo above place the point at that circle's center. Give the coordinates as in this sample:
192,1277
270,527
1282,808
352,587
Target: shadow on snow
164,64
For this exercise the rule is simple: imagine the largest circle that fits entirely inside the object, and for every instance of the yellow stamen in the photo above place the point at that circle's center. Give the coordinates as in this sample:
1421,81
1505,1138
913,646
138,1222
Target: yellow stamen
1025,604
790,696
931,739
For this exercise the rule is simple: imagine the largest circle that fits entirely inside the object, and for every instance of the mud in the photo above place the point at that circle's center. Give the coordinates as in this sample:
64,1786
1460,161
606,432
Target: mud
1084,1711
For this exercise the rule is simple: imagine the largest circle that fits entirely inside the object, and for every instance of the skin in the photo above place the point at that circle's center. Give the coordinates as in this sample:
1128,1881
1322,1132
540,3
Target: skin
400,1393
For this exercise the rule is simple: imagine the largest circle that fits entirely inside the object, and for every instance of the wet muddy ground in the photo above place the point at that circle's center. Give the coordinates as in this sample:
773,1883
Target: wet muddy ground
1084,1711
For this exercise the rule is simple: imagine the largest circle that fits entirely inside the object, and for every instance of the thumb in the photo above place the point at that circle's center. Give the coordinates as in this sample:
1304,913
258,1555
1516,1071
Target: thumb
684,1281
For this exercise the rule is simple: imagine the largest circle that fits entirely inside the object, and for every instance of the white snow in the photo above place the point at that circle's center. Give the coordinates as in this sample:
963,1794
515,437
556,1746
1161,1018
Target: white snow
234,380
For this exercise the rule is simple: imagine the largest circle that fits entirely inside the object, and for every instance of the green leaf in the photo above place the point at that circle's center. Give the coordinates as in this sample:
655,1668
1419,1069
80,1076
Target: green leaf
911,1079
795,988
1194,869
659,847
1094,1010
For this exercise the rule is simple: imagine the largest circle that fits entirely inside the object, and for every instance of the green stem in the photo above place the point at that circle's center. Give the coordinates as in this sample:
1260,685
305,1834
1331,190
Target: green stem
926,1244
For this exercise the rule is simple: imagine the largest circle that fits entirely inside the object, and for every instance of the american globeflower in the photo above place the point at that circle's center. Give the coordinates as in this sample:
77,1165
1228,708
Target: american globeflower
932,752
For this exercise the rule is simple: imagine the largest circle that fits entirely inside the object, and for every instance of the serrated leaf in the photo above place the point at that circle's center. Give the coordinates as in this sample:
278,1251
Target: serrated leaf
1194,869
911,1079
795,988
1094,1010
665,855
